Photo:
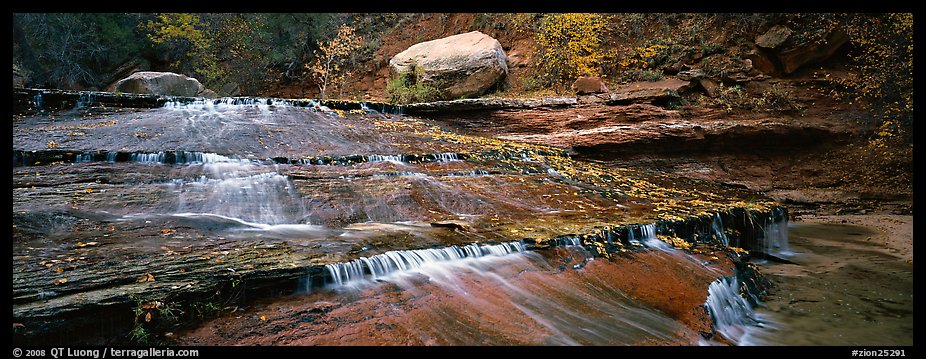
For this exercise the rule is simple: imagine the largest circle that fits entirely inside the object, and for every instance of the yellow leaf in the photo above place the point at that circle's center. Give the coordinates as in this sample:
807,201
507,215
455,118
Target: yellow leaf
60,281
145,278
263,318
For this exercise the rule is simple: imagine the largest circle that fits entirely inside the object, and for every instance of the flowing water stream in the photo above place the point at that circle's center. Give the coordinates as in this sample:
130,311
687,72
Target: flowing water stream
420,236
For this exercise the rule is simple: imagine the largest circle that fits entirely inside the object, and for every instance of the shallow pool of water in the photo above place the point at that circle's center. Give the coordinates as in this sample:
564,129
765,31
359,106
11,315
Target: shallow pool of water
844,288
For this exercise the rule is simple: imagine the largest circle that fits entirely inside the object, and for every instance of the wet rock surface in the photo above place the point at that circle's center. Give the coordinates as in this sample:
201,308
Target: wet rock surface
567,299
204,200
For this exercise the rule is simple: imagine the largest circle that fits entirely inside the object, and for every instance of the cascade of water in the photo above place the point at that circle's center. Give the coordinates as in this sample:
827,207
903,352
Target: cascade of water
717,230
472,173
730,312
111,156
39,102
84,157
650,240
775,239
141,157
446,157
381,158
85,100
236,191
382,265
401,174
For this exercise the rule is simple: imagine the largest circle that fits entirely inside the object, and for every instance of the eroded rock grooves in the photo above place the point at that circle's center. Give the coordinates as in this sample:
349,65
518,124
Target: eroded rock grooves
260,198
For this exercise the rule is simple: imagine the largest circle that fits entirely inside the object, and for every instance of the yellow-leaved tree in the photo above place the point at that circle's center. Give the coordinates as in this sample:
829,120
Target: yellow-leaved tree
332,63
568,46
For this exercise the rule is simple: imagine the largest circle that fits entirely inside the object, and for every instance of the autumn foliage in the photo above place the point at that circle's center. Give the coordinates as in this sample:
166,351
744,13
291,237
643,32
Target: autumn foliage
569,46
332,59
883,60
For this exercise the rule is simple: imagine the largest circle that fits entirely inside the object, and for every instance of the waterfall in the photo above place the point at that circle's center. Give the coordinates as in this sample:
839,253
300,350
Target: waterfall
84,157
148,157
731,314
243,191
775,239
649,238
382,265
39,103
381,158
717,230
446,157
85,100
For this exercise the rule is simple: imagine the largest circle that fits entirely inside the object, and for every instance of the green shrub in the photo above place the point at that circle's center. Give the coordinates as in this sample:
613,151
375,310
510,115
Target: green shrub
410,87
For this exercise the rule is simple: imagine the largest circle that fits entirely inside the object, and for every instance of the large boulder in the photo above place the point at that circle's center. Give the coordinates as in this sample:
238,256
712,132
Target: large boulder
464,65
162,83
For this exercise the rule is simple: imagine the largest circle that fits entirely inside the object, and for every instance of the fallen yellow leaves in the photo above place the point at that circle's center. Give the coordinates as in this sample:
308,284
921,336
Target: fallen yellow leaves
145,278
59,281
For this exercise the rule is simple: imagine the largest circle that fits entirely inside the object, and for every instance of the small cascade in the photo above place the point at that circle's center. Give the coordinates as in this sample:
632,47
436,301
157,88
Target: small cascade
775,238
567,241
84,101
732,315
263,198
446,157
38,102
717,230
84,157
391,262
186,157
161,157
381,158
472,173
401,174
368,110
649,238
147,157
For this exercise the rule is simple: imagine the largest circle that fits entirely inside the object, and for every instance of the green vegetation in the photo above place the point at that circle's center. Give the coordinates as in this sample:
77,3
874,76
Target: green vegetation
409,87
777,98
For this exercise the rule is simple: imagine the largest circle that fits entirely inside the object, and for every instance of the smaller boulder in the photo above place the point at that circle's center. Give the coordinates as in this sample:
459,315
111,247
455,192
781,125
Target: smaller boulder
774,37
711,87
589,85
642,92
